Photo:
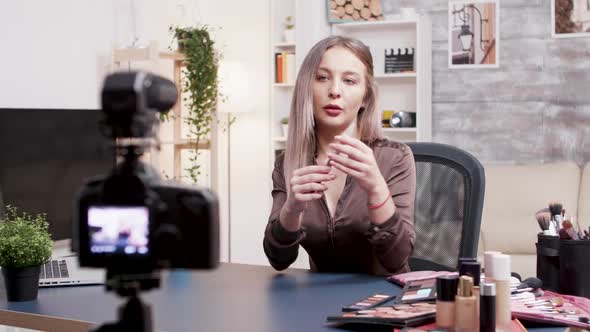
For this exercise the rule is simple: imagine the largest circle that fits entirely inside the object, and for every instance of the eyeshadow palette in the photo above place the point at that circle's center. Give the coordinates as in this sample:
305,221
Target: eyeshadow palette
398,315
417,291
368,303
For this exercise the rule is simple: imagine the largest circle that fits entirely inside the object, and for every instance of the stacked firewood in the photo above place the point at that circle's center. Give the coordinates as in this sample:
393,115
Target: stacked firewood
356,10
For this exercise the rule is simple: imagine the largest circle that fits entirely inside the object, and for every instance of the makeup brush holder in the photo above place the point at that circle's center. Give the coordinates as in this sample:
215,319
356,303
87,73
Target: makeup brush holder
548,261
574,267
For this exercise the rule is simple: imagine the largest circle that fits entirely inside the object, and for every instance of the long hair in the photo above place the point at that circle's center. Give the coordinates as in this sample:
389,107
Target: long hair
301,138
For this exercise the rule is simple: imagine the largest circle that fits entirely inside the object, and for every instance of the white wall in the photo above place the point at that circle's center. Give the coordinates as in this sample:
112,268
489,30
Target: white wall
245,35
55,54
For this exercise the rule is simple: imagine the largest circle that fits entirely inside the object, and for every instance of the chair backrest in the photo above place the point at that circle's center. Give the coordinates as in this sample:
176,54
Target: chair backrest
450,186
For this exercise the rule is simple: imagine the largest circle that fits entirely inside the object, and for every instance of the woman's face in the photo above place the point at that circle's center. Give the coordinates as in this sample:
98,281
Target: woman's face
338,89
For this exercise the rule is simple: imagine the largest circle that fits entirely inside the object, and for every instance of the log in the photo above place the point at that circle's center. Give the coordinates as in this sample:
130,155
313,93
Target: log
332,4
375,7
348,9
365,13
356,15
339,11
347,17
366,3
357,4
340,2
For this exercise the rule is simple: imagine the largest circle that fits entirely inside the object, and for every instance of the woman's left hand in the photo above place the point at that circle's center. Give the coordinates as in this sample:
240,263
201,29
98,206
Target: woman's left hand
356,159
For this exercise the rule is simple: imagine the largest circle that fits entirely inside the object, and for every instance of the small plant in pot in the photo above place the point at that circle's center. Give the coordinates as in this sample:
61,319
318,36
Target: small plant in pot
25,245
289,32
285,126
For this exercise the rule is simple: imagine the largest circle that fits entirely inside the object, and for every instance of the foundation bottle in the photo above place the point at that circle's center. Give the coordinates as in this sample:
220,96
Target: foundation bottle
472,269
465,306
446,288
501,277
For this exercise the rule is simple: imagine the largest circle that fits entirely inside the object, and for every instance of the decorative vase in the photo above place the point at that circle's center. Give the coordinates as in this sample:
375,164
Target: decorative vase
21,283
289,36
285,130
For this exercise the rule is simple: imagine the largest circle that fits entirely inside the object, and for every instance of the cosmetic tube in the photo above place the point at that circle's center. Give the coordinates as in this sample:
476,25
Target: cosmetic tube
487,305
446,288
501,277
465,306
487,264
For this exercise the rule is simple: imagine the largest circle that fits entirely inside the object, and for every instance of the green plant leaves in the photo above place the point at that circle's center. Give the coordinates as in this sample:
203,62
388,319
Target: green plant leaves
200,82
24,239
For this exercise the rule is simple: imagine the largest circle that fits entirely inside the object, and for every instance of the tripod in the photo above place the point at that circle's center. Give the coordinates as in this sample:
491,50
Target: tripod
134,315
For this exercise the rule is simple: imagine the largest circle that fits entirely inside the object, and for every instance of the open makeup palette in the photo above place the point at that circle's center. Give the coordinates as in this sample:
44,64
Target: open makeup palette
397,315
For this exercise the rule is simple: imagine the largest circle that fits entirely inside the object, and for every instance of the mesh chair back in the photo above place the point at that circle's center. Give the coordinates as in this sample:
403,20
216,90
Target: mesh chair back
450,185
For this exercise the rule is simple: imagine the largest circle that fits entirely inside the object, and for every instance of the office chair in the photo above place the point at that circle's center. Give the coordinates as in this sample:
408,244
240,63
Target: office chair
450,185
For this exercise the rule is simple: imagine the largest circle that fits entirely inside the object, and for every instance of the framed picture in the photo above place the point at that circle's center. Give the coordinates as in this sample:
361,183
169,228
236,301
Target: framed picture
570,18
340,11
473,34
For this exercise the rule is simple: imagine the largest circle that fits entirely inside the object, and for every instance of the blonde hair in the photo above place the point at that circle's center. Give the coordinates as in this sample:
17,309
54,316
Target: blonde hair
301,139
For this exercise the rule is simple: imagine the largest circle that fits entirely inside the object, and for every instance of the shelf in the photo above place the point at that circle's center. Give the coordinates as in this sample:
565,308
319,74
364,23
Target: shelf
283,85
184,143
399,130
374,25
396,75
284,45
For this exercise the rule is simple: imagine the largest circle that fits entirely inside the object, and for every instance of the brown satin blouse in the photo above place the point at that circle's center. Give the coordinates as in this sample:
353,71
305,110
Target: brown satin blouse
348,242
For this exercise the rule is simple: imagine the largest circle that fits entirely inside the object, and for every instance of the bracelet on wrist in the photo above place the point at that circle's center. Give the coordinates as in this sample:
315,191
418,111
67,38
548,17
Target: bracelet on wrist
376,206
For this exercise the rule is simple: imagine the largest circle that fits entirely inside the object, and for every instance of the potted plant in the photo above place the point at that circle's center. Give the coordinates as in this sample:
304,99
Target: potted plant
200,85
289,32
25,245
285,126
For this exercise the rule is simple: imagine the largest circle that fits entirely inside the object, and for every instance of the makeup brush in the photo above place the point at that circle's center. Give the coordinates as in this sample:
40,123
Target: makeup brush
543,217
557,301
580,234
563,235
569,228
555,208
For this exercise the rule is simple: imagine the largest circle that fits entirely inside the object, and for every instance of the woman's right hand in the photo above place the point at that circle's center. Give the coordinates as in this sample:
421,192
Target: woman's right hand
305,185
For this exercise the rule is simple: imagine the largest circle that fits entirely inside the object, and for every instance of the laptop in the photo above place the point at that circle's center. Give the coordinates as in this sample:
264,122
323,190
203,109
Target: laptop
65,271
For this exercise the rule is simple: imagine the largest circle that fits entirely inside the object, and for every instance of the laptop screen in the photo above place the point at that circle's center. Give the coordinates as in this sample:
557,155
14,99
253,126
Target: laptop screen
46,155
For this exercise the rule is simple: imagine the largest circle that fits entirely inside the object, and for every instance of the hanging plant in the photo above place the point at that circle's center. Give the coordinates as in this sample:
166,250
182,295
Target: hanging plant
199,84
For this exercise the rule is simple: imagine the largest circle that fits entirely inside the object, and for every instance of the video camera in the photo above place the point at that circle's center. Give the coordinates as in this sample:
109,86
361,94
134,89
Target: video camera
131,222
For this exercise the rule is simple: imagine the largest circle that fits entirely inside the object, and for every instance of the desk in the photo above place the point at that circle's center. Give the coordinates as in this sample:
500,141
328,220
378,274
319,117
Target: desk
232,298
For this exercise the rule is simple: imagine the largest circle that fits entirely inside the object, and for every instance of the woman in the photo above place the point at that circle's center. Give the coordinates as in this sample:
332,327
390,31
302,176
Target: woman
341,190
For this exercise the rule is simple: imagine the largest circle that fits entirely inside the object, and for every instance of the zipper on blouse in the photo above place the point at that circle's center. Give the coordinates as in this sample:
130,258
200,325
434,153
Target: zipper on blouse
330,221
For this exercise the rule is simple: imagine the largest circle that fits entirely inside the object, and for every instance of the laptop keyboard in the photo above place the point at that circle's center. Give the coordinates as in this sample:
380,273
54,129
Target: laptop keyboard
55,268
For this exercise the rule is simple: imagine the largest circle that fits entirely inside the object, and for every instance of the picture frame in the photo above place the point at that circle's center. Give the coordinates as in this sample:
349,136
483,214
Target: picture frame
570,23
474,32
342,11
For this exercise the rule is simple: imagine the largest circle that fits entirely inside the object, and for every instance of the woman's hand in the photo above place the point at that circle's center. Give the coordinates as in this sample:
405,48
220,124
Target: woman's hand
356,159
306,185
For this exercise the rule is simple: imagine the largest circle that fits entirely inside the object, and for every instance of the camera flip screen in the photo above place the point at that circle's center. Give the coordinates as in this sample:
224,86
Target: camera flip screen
118,230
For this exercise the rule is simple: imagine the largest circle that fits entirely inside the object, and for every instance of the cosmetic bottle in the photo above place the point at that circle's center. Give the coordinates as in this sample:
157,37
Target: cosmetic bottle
487,305
465,306
472,269
487,264
446,288
501,277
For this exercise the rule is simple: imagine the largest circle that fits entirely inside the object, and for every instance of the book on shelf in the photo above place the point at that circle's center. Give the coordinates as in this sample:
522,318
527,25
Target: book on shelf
284,67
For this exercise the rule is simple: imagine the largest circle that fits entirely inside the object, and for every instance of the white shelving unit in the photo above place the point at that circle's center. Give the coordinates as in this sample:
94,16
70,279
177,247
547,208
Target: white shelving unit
406,91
